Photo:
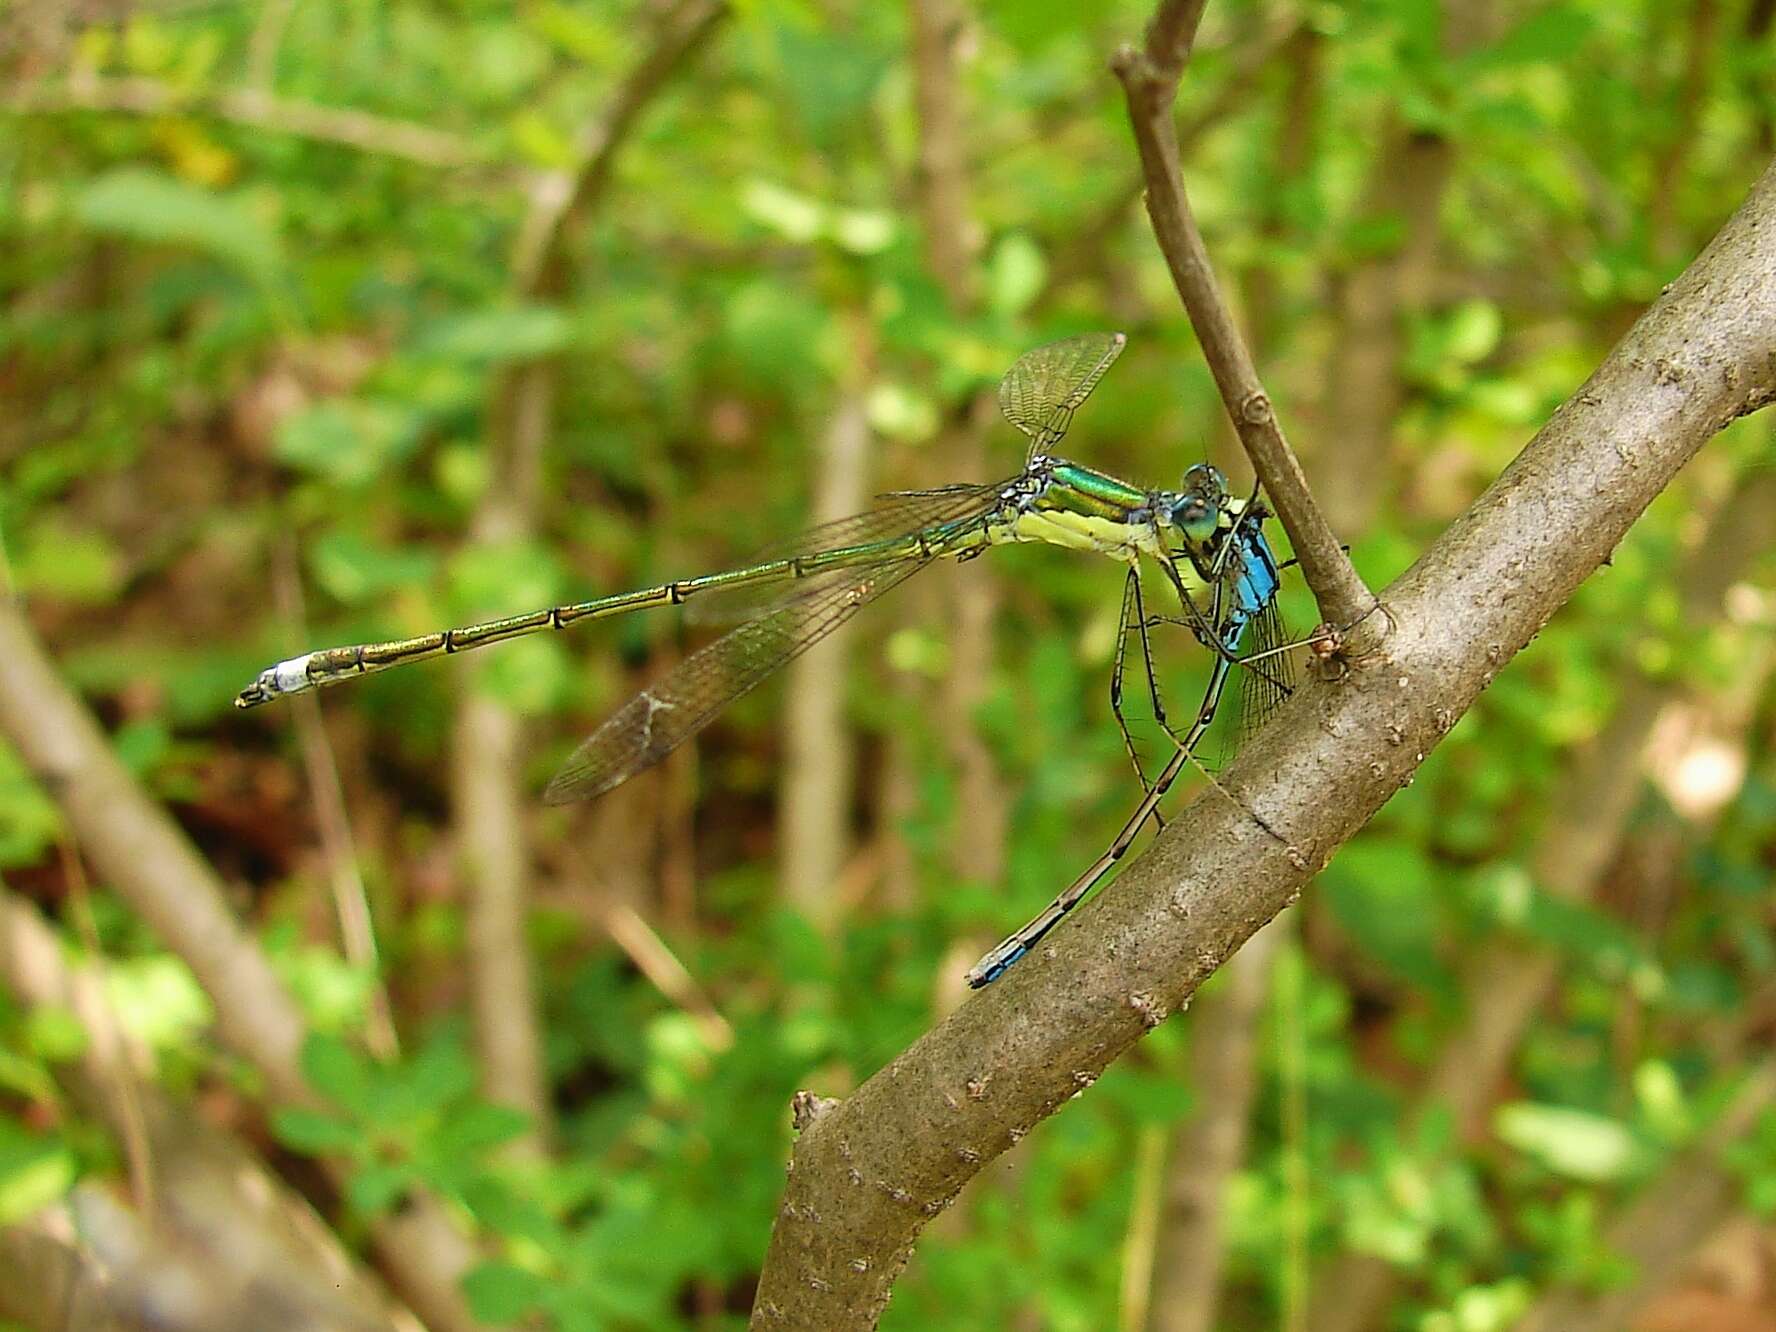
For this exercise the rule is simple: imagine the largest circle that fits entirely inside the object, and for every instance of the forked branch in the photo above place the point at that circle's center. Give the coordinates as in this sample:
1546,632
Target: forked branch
870,1172
1150,76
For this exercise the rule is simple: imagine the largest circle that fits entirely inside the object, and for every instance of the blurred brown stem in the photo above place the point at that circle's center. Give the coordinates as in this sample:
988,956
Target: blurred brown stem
1211,1144
950,236
143,856
351,904
246,106
1660,1231
818,769
1507,984
486,773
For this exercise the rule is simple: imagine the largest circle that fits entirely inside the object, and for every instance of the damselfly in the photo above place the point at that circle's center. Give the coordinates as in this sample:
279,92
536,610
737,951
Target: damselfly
1207,543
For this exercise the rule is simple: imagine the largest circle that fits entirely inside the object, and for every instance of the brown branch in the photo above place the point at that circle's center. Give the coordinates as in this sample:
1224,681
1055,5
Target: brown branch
1087,243
559,198
241,1233
351,904
950,236
1211,1145
819,760
1150,81
362,130
143,856
1679,128
869,1173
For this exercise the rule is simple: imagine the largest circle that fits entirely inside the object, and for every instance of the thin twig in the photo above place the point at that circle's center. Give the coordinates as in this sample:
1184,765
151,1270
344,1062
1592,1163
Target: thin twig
1150,81
1141,1243
149,862
1087,243
655,960
262,47
557,197
110,1048
248,106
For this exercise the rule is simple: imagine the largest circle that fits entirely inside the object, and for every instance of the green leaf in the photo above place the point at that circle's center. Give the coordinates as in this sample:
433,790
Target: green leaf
338,1072
863,231
315,1133
34,1172
1015,274
67,563
378,1186
502,1293
511,1214
1548,36
1473,331
480,1126
354,570
901,413
150,206
348,440
159,999
522,333
55,1034
1575,1143
793,216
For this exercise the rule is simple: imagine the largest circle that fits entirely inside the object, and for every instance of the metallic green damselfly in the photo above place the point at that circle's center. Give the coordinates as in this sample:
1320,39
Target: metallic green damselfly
1209,545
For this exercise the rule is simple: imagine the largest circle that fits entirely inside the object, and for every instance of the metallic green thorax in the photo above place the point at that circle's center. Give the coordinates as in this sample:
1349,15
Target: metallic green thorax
1083,490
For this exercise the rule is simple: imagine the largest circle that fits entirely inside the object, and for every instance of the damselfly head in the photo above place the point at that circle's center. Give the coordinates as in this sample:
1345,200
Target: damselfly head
1198,506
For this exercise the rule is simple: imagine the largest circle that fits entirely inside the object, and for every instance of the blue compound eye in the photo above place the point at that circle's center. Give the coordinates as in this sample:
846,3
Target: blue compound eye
1196,516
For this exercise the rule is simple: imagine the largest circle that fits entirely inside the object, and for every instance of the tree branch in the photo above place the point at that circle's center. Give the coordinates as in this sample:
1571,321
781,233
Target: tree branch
950,236
558,197
211,1185
869,1173
251,107
1150,81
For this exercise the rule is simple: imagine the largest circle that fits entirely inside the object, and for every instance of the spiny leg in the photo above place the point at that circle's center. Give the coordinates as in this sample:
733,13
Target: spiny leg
1026,937
1131,609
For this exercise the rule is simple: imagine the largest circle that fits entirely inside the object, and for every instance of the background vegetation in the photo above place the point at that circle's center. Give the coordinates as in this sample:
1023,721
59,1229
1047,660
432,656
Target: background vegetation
325,322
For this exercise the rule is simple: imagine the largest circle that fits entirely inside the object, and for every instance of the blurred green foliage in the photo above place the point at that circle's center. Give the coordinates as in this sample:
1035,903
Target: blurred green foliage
241,357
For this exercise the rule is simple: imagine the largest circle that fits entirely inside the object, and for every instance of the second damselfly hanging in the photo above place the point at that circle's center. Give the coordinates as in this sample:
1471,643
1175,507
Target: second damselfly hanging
1209,545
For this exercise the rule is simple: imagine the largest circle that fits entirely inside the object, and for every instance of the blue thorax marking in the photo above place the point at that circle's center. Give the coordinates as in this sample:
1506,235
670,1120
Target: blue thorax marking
1256,584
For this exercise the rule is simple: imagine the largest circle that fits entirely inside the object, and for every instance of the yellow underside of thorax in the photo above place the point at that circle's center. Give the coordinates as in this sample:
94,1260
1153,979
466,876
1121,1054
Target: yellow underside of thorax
1099,536
1079,531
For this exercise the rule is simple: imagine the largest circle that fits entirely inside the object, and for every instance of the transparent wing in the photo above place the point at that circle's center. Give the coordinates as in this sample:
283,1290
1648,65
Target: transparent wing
1264,685
663,716
1042,391
894,515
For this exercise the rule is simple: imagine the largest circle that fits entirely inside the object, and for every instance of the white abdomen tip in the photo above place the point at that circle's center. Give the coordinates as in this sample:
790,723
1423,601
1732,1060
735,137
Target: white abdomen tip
292,675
